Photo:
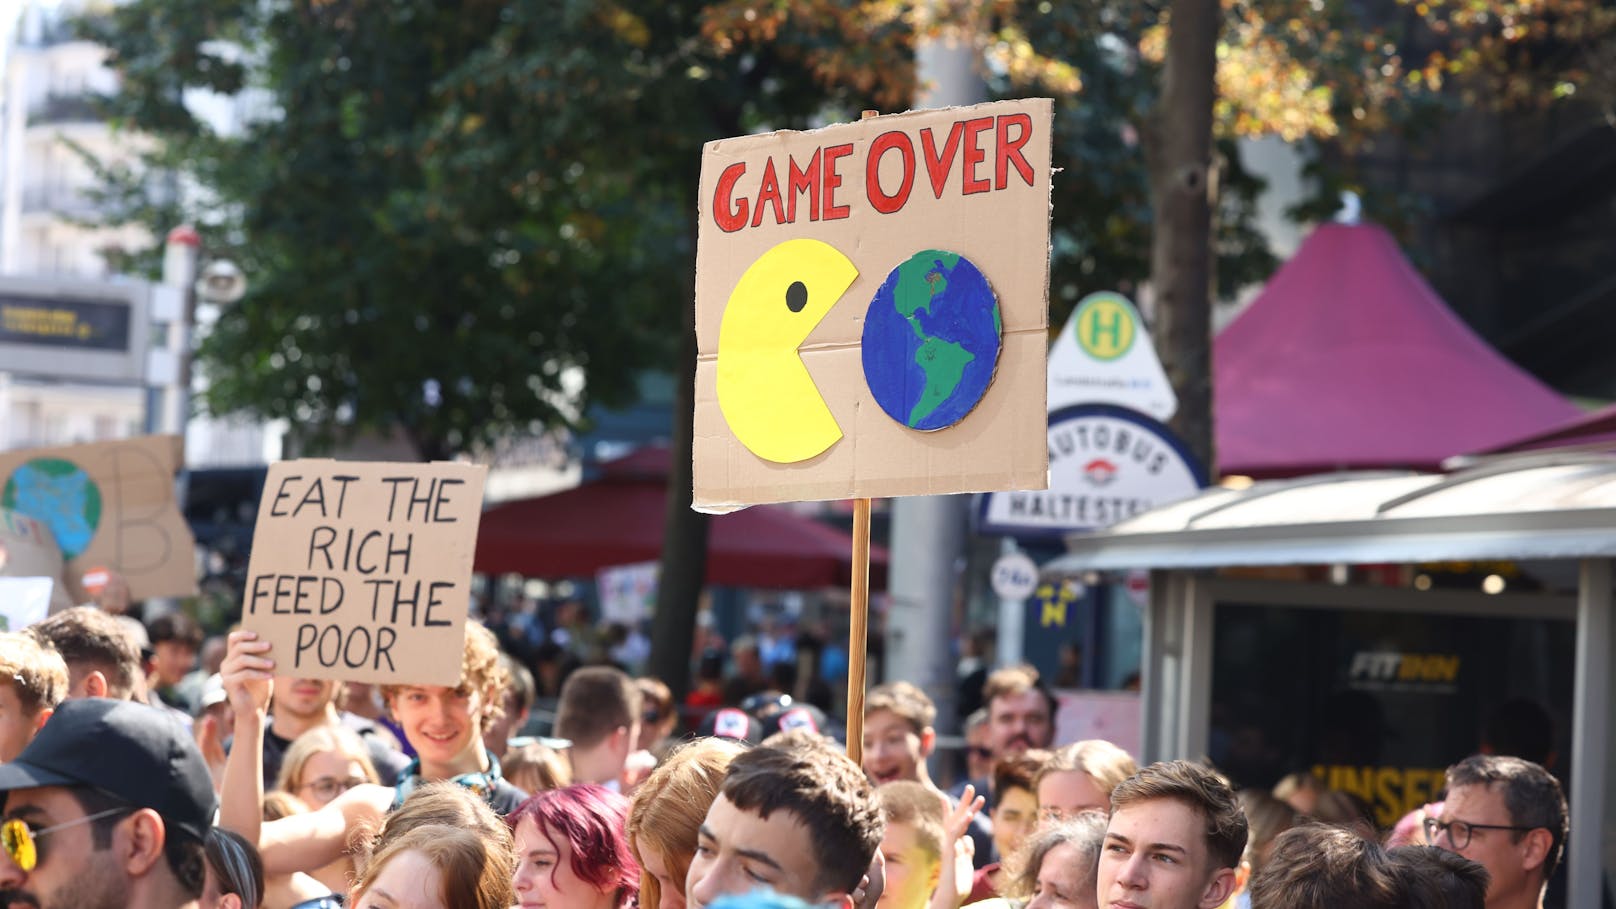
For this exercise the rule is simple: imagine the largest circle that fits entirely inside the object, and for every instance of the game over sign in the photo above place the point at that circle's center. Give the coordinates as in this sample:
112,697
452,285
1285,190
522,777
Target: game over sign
362,571
872,308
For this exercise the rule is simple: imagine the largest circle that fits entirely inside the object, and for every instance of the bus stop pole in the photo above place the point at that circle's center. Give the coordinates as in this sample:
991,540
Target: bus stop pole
1590,733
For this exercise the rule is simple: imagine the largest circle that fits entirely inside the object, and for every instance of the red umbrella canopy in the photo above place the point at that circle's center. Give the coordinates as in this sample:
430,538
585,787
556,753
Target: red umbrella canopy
617,518
1348,359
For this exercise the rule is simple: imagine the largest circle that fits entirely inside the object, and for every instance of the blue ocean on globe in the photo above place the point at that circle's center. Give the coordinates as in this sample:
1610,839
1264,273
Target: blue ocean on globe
60,495
931,340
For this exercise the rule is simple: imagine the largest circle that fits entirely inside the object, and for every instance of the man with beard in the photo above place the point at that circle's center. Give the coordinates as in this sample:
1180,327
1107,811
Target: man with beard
105,808
1021,711
304,704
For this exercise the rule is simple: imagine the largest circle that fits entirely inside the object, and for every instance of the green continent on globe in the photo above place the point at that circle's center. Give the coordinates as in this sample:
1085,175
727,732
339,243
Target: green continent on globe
919,281
944,363
60,495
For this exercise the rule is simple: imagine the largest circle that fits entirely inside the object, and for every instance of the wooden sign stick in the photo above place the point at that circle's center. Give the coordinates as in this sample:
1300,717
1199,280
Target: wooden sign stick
858,630
858,623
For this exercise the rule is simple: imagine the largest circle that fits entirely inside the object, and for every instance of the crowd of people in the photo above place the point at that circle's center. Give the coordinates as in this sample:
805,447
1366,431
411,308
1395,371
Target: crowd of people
290,793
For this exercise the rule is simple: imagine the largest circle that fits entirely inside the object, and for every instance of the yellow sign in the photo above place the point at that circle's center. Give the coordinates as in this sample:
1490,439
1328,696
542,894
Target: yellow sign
1104,326
768,398
1391,791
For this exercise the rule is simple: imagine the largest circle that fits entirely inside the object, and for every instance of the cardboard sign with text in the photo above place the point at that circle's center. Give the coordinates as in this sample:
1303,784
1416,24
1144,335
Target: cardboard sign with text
109,505
362,571
872,308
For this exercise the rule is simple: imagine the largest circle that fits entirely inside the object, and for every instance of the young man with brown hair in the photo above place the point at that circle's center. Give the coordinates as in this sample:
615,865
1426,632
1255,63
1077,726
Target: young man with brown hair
898,734
599,712
799,820
898,738
103,661
33,681
1173,842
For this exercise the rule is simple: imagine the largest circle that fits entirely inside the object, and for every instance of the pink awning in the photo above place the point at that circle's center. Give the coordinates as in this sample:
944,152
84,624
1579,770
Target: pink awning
1349,360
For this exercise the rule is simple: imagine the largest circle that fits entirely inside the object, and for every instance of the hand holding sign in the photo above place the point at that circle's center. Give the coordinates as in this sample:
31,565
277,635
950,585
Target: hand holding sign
362,572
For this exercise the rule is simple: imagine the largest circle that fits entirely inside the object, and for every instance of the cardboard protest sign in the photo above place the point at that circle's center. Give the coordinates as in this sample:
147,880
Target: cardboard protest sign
362,571
872,308
109,505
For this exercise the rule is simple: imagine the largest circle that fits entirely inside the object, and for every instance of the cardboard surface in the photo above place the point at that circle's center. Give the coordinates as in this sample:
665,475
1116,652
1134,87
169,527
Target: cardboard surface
968,182
362,571
108,505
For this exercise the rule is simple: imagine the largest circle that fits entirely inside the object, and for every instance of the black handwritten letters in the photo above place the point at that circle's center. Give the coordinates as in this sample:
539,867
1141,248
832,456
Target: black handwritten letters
355,568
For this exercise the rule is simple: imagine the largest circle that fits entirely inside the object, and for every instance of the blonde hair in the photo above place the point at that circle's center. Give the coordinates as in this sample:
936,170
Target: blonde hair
476,874
320,740
440,803
34,670
1104,763
480,671
909,802
536,768
671,804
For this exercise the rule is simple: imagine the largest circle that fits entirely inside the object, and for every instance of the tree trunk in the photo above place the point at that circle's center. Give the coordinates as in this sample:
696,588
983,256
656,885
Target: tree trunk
1179,157
684,531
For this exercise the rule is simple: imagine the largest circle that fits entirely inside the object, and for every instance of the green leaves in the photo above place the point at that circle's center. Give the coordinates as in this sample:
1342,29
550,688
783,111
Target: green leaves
450,214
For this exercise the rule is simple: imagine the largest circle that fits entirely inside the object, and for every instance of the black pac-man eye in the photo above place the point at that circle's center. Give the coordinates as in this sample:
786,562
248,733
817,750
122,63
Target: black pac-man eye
796,296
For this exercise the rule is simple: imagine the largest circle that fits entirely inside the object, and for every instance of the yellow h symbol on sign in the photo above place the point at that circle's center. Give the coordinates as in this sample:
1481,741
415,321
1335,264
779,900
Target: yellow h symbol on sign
1104,326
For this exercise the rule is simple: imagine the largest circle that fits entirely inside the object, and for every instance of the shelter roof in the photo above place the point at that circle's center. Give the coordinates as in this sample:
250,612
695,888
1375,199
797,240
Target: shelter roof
1555,506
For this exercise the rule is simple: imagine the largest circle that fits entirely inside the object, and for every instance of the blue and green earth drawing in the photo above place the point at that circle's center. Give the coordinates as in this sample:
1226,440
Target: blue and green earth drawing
931,340
61,496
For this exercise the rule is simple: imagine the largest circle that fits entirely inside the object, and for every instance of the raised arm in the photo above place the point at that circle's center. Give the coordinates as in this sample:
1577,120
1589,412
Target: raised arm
954,884
247,673
306,842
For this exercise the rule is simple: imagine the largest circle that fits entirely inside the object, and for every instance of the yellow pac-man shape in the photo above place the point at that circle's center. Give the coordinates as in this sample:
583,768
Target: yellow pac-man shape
764,390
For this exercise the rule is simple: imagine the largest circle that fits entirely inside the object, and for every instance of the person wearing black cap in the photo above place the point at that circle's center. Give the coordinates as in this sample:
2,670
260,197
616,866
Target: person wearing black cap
107,807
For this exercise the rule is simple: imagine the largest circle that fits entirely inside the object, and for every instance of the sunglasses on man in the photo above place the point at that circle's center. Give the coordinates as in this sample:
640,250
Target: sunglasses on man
21,840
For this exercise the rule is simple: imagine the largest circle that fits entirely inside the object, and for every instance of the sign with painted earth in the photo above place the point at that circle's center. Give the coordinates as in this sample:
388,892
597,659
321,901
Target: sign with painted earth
60,495
931,340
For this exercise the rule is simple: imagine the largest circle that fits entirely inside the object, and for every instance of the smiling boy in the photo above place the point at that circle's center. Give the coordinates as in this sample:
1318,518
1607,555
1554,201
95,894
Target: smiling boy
444,725
1173,842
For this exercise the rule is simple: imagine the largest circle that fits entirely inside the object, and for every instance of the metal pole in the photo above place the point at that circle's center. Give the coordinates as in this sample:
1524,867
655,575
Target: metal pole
1012,619
1590,733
